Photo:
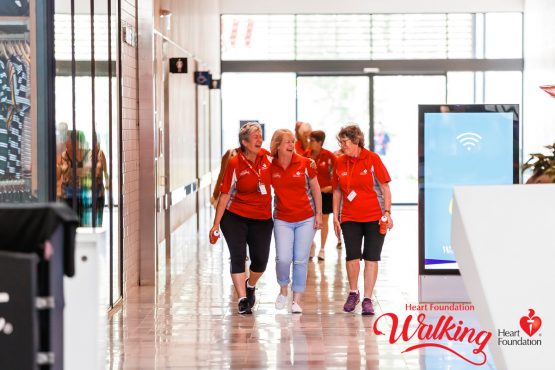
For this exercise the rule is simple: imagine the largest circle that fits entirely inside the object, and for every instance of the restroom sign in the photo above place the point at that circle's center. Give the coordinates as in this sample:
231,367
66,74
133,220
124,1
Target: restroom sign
178,65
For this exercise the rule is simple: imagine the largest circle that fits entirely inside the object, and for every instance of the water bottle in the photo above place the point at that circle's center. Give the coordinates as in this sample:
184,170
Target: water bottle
214,236
383,225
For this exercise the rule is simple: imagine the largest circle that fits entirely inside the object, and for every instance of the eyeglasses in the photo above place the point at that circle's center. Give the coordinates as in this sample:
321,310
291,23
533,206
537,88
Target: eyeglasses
344,142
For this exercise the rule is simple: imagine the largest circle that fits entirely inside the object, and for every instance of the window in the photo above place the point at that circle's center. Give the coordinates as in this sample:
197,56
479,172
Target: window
371,36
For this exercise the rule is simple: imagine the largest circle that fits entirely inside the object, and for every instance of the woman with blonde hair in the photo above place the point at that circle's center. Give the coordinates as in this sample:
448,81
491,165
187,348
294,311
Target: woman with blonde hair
297,215
302,134
358,218
244,213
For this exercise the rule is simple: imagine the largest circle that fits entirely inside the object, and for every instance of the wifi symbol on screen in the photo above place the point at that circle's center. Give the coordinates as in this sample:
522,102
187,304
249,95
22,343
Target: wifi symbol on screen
469,140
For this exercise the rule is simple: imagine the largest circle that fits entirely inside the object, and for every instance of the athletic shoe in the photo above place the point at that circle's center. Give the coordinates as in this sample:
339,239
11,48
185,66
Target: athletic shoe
367,307
295,308
321,255
244,308
281,302
352,301
250,294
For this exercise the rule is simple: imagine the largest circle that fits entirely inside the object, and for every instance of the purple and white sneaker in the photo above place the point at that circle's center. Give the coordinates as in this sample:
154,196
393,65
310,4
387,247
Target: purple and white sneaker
352,301
367,307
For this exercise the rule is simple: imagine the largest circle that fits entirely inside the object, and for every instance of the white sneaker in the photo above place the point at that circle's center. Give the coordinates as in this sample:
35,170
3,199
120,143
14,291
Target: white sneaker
321,255
281,301
295,308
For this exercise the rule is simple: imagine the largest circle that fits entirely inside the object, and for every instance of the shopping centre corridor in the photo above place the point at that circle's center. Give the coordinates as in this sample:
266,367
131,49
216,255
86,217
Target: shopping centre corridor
192,321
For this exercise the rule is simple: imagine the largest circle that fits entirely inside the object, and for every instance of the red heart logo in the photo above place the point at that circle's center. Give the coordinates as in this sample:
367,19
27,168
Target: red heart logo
530,324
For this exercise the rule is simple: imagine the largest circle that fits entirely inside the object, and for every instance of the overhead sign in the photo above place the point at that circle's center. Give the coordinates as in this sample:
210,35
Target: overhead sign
203,78
178,65
216,84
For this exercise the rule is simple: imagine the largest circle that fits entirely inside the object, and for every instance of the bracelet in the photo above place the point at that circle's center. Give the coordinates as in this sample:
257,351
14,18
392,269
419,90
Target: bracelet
387,210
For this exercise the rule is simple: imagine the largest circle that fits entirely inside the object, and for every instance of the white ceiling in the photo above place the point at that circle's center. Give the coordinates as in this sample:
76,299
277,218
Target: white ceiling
367,6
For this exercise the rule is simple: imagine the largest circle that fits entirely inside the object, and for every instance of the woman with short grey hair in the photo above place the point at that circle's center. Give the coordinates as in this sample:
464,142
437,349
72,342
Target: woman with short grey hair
360,212
244,212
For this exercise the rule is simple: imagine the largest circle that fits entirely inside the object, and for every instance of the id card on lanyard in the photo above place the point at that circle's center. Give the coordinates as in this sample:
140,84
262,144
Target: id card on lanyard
261,187
351,193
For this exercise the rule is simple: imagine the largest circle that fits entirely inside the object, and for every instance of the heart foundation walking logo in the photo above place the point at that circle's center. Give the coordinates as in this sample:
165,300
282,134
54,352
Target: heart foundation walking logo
446,329
530,324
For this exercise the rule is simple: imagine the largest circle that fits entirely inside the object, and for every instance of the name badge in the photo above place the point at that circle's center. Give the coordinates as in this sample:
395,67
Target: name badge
262,188
351,195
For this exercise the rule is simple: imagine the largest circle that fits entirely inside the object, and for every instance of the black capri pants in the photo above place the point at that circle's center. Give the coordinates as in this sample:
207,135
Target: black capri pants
354,232
327,203
241,231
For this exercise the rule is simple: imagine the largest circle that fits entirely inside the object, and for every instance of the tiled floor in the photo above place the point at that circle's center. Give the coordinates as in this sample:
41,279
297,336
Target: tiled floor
192,320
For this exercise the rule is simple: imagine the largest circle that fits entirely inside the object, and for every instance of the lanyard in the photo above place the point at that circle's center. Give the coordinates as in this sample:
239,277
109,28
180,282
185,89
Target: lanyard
350,170
251,168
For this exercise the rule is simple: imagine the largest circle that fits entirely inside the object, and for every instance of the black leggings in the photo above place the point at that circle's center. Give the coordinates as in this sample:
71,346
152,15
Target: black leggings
240,231
353,232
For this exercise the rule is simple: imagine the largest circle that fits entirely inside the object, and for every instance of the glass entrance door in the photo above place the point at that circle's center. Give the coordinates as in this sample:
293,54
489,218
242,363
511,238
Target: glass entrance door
329,102
395,107
387,106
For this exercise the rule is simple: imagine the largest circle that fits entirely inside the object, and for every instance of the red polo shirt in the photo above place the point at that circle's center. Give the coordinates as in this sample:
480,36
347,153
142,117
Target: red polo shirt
325,162
299,149
356,174
293,198
241,183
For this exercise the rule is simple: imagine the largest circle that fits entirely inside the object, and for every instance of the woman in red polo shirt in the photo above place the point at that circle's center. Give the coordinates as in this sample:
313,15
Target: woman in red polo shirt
302,134
358,218
244,212
325,162
297,215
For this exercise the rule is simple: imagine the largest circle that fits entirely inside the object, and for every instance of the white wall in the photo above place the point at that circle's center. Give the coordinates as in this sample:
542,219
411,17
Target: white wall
539,69
367,6
195,26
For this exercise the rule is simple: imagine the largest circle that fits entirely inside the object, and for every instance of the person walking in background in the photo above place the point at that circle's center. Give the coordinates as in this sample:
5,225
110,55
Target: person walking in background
61,137
302,134
381,139
302,147
102,178
297,215
325,162
244,213
223,165
358,218
74,171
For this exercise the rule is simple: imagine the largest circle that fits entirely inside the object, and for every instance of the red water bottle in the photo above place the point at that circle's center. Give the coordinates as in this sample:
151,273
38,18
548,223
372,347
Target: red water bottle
383,225
214,236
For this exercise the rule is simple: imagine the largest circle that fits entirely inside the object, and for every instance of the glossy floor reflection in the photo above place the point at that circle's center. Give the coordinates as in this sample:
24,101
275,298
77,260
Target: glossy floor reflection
191,321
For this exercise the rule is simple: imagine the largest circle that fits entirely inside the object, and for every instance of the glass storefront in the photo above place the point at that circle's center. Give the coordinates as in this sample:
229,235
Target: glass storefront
87,126
18,113
64,145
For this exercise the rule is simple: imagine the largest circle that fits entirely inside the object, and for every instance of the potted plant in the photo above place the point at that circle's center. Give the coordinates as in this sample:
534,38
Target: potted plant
543,167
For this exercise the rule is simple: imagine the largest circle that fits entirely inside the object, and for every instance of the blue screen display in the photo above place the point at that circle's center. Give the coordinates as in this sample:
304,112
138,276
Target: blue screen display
460,149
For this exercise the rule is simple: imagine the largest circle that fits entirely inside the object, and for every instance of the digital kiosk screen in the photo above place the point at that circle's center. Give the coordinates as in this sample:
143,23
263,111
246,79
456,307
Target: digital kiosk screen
459,145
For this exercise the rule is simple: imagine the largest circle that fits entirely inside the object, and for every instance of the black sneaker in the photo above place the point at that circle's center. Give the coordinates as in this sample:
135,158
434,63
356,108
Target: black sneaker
250,294
244,308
